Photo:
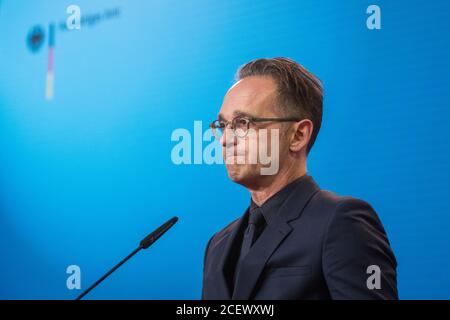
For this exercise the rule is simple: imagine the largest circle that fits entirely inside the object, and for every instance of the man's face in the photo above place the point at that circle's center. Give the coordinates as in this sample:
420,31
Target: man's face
252,97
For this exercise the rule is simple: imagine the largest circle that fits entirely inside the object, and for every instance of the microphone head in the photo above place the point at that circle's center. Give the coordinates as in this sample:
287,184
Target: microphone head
152,237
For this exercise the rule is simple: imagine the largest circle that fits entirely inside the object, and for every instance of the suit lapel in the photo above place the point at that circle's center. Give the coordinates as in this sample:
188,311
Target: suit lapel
224,272
254,263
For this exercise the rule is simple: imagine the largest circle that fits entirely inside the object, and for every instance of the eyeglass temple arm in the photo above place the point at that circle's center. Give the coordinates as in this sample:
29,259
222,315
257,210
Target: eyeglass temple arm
275,119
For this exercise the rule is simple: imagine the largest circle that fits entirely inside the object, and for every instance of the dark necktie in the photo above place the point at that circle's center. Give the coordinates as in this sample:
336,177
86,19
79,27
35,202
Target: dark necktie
254,228
255,221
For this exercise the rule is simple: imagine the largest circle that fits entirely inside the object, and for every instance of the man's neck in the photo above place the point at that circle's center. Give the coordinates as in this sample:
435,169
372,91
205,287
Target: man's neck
263,193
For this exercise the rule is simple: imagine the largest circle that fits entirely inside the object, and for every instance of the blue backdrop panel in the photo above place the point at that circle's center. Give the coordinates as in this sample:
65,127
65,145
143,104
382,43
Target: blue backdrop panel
86,173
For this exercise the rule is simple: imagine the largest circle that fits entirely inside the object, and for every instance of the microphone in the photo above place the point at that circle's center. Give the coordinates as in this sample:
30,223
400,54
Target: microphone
144,244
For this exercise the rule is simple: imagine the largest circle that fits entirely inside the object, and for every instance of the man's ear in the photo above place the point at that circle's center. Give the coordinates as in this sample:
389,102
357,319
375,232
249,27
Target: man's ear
301,135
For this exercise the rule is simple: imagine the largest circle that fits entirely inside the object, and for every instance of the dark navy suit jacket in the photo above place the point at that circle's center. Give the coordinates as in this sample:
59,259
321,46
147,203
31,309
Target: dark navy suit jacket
318,246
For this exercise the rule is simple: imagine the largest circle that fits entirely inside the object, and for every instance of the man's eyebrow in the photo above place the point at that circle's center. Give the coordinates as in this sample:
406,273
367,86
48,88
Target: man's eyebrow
238,113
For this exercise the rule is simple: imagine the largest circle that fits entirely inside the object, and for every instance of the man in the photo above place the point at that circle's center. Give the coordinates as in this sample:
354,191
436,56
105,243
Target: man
295,241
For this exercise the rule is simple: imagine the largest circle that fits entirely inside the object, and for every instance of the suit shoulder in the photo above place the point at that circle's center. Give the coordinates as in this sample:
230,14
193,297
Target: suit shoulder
350,214
222,233
329,206
227,229
335,202
336,199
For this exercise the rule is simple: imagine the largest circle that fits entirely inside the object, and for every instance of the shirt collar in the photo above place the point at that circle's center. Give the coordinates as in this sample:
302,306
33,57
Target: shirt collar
271,206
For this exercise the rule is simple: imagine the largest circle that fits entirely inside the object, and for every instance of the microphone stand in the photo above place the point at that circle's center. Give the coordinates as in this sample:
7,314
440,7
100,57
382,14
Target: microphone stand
144,244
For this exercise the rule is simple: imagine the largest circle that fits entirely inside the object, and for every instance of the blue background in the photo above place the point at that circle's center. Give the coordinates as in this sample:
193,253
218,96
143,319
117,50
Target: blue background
85,176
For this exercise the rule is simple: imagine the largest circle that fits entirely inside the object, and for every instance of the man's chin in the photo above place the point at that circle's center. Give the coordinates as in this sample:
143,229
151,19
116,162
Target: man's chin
239,174
235,172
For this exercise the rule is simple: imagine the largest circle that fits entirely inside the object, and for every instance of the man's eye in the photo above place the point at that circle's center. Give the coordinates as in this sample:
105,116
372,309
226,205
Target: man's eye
241,122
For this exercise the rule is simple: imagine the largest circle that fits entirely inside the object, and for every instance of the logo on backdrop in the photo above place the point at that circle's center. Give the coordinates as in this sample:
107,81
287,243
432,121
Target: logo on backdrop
75,20
35,38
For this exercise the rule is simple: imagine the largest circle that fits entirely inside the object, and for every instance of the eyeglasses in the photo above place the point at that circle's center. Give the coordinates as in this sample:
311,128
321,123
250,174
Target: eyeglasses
241,125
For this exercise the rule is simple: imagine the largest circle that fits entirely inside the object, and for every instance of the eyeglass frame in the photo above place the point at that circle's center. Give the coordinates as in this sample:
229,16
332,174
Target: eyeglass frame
250,120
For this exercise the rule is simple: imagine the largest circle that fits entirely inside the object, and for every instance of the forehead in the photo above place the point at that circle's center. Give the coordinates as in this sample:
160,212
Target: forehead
252,96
